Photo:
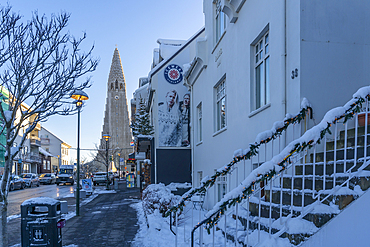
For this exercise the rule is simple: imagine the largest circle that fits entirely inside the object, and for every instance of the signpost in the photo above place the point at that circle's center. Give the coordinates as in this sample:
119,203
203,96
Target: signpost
87,185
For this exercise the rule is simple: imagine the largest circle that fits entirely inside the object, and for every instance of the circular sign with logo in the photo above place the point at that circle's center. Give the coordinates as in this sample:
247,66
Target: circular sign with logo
173,74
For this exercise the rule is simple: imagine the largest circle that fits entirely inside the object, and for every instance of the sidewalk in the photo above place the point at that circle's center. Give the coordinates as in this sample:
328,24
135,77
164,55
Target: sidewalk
107,220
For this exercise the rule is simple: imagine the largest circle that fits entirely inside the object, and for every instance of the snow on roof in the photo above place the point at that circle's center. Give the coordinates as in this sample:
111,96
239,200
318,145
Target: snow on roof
42,200
44,152
168,42
172,42
166,50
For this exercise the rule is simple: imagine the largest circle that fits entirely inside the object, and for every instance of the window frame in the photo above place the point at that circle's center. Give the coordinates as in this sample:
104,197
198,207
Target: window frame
199,122
219,20
200,177
220,96
260,48
221,187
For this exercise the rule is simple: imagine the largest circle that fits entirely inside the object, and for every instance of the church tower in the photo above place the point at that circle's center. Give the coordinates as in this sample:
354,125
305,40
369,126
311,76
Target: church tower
116,117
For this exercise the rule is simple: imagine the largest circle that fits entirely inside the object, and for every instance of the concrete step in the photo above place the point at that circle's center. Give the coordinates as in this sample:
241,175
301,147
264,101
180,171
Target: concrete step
350,154
252,223
350,142
351,132
363,182
341,200
339,165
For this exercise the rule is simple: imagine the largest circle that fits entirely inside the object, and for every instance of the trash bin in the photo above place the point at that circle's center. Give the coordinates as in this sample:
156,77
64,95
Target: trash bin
41,223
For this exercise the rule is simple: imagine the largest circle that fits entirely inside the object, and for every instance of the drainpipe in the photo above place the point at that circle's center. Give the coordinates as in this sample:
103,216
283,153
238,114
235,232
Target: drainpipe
285,66
192,137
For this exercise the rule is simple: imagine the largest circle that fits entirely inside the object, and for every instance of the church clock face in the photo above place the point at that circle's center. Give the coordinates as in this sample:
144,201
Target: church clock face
116,97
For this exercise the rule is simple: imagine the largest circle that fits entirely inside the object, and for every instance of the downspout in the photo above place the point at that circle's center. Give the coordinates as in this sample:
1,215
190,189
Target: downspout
285,67
192,137
192,133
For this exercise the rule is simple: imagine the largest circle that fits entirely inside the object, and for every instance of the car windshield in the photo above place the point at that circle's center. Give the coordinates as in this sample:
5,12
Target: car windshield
45,175
66,171
26,176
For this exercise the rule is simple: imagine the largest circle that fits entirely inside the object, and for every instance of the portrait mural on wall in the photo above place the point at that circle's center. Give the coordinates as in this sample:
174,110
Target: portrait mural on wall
173,110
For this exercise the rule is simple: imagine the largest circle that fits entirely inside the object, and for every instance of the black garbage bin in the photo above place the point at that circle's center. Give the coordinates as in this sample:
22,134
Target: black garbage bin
41,222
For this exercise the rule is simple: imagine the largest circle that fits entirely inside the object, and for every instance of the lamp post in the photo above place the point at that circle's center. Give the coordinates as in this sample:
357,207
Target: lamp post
79,96
106,137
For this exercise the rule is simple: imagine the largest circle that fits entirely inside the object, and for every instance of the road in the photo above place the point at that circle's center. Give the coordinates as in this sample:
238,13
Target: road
17,197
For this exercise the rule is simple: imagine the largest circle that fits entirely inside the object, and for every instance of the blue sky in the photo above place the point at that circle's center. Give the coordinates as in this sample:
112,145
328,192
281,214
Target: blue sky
132,26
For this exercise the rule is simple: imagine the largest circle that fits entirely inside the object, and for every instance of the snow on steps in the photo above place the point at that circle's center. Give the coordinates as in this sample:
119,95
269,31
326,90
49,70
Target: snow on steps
297,230
349,228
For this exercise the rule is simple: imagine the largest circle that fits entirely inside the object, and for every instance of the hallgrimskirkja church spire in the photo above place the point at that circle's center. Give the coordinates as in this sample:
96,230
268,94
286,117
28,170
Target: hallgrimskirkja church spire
116,117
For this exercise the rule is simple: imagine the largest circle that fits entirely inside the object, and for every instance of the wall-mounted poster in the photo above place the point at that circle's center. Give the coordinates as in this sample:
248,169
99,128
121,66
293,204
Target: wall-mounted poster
173,109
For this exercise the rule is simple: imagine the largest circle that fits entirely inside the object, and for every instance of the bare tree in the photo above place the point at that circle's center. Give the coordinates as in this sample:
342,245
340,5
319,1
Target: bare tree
40,63
100,153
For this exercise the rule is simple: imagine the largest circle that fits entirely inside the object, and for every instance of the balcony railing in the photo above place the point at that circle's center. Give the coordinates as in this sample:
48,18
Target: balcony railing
34,158
45,141
34,140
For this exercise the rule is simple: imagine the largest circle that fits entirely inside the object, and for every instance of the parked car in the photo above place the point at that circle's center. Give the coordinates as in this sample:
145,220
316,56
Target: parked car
47,178
16,182
101,178
31,179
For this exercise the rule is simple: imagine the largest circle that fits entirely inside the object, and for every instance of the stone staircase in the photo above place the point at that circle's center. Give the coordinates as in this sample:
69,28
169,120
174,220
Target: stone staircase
312,182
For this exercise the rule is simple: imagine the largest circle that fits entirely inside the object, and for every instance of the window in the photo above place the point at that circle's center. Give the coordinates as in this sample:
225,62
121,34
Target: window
221,187
199,114
200,177
261,72
220,20
221,105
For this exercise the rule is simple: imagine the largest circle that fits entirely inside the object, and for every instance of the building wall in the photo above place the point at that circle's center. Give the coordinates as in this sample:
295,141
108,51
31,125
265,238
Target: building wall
334,51
55,146
232,58
177,156
65,160
329,58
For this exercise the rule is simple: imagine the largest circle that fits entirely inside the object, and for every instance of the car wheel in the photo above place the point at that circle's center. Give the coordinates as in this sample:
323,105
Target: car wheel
57,184
11,187
23,186
38,184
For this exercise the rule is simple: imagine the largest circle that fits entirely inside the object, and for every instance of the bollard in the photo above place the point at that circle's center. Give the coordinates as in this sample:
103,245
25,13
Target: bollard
115,184
64,207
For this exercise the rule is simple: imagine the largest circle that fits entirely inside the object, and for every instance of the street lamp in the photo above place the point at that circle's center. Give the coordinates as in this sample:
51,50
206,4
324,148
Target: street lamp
79,96
106,137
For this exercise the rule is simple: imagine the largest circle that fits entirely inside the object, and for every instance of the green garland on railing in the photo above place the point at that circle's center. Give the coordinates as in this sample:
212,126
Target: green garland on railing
211,221
253,150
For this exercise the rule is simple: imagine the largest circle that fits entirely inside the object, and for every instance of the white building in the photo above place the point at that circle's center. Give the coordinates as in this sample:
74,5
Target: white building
169,110
259,60
56,146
